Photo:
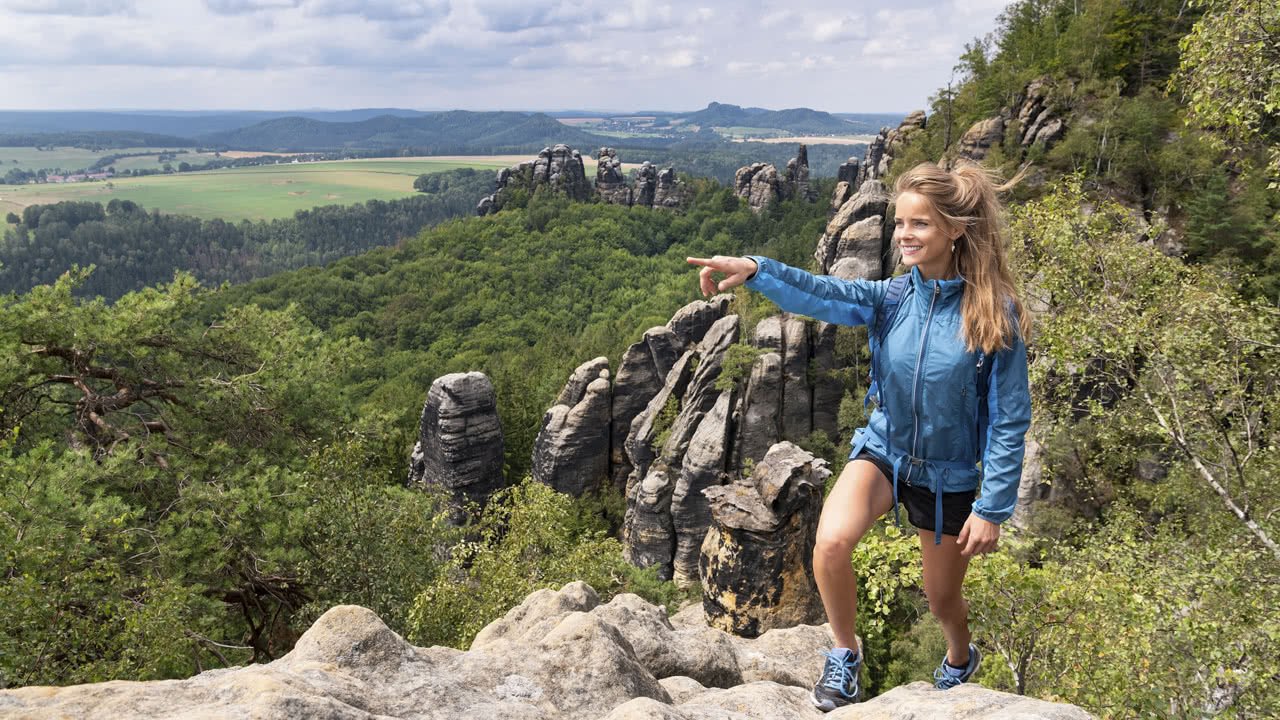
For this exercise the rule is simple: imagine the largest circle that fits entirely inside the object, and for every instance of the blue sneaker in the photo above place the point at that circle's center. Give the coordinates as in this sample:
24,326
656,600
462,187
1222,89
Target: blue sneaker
838,685
947,676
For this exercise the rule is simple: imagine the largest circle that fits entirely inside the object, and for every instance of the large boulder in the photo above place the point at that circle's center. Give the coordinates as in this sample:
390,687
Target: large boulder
641,376
646,187
571,452
859,234
460,438
670,193
980,138
559,655
758,183
757,559
611,183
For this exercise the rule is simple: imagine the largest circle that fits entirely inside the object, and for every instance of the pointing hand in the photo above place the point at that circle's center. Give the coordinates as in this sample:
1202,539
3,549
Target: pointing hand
737,270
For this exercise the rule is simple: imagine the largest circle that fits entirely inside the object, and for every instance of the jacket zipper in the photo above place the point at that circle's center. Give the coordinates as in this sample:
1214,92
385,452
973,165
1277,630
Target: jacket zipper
924,336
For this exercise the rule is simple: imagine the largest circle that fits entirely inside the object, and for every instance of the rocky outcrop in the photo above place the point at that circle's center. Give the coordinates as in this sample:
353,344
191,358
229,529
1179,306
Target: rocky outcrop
459,438
670,193
559,168
858,238
756,565
761,184
611,183
797,182
571,452
885,146
980,138
646,186
1034,119
757,183
559,655
656,530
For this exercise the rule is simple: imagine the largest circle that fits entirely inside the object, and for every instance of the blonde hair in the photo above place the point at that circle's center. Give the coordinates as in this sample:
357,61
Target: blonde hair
967,199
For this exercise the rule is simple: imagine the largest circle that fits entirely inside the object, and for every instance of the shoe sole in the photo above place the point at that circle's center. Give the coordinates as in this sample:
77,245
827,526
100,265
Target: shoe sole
826,705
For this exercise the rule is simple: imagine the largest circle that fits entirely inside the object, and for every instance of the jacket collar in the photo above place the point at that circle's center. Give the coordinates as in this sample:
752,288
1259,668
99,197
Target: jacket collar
924,288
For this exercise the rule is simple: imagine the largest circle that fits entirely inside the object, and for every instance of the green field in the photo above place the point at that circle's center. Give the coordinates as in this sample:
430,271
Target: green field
738,131
256,193
68,159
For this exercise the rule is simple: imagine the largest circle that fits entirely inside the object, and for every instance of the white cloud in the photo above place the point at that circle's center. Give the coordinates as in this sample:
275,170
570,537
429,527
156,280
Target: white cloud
841,29
78,8
481,53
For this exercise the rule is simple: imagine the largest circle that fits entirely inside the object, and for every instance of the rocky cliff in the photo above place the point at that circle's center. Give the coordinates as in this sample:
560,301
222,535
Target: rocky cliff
761,183
460,441
560,169
559,654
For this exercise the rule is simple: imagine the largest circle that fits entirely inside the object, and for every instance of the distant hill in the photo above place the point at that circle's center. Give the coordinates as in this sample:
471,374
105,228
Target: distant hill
105,140
177,123
795,120
870,123
454,131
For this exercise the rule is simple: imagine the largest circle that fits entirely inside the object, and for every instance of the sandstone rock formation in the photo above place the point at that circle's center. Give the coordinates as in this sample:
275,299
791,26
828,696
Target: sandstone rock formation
889,143
761,184
646,186
559,168
670,193
611,183
857,241
459,438
756,564
1033,118
558,655
571,452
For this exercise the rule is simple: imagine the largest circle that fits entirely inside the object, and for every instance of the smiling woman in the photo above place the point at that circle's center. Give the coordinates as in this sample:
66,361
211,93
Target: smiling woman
949,374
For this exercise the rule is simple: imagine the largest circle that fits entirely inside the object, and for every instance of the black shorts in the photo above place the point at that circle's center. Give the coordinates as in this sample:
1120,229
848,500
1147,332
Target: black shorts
920,503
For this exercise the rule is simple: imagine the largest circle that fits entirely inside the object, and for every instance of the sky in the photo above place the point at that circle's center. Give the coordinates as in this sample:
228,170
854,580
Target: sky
615,56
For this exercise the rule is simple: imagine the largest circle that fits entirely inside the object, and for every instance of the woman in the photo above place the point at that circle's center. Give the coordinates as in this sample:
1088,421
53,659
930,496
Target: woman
949,373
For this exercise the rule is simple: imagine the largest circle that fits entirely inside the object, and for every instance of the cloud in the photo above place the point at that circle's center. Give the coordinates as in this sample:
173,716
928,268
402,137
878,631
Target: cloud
841,29
76,8
243,7
376,10
775,18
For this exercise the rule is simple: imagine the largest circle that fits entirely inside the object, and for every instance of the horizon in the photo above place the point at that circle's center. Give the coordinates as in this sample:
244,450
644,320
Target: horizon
480,55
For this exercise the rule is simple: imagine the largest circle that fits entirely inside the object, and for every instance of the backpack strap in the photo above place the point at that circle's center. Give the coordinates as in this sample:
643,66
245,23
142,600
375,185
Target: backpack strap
886,313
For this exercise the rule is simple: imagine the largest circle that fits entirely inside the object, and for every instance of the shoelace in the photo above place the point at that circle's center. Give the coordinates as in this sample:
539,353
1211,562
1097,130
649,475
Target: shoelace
943,678
837,672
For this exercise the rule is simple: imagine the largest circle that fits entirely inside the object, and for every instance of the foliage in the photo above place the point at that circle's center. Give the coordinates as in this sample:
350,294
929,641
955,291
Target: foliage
887,565
1230,75
529,537
736,365
1162,358
1138,621
135,249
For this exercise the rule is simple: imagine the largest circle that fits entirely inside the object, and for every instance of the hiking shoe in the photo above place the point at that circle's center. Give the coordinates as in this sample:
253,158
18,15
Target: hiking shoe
838,685
947,676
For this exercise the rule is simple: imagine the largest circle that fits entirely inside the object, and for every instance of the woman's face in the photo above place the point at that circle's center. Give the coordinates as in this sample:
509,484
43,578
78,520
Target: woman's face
920,236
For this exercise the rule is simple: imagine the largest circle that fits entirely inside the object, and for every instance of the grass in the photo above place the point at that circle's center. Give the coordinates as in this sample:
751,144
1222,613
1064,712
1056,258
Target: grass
257,193
738,131
70,159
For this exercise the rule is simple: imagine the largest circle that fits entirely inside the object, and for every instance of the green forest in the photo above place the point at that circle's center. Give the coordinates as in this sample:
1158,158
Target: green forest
191,472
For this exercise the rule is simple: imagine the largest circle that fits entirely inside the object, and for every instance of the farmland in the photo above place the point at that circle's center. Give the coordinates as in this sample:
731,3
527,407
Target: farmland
254,193
68,159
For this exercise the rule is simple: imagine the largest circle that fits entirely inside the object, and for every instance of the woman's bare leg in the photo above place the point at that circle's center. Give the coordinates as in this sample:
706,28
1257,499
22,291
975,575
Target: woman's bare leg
862,494
944,569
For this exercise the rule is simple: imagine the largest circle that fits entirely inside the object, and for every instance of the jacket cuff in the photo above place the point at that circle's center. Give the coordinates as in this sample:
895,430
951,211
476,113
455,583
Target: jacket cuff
989,516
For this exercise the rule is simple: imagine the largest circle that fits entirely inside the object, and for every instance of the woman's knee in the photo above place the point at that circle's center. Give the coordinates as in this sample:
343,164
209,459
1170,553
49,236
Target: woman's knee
947,605
833,546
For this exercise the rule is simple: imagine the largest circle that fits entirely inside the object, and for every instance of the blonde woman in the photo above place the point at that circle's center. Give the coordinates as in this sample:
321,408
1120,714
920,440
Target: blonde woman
949,375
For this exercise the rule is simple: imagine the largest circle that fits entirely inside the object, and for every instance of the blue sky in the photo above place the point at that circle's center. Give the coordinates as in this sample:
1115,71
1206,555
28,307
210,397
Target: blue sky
874,56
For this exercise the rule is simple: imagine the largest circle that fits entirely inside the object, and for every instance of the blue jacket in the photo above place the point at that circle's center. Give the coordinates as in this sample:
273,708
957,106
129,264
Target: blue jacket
931,434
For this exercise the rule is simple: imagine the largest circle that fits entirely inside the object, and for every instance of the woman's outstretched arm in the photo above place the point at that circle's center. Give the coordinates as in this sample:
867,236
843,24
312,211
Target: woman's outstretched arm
823,297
